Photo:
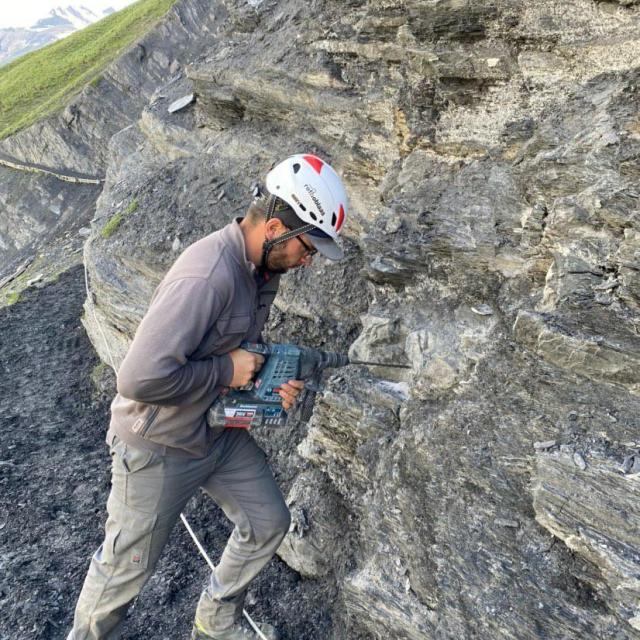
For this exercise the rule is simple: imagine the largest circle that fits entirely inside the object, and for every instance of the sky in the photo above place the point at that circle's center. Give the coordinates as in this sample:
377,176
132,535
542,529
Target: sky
24,13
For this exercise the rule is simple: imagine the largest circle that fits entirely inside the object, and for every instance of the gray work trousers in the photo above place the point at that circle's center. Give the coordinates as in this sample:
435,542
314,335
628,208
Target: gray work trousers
148,493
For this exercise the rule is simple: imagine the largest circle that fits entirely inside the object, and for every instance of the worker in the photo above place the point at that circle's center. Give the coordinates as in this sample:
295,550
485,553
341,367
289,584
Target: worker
184,354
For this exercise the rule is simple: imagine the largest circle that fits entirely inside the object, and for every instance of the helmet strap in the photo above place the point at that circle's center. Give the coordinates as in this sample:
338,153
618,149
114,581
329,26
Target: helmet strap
269,244
271,206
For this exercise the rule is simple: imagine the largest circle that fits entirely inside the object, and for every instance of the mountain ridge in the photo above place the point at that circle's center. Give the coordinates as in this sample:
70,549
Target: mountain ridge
59,23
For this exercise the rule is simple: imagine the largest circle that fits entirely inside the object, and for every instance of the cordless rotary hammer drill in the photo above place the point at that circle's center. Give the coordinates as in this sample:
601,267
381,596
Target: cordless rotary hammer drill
258,403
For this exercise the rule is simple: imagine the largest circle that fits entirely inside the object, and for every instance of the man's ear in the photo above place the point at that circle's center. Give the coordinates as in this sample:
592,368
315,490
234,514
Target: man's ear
273,228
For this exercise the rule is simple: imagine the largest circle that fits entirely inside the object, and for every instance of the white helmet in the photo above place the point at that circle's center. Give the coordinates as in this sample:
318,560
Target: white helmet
315,192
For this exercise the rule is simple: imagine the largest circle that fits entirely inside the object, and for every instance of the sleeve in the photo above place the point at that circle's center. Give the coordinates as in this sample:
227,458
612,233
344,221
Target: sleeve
157,368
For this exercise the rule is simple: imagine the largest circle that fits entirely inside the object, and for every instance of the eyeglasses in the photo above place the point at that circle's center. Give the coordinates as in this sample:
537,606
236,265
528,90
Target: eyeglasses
309,251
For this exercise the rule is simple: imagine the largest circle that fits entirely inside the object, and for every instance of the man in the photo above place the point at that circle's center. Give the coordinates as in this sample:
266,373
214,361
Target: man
185,351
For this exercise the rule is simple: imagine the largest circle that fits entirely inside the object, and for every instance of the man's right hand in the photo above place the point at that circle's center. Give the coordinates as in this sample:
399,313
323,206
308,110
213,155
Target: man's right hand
245,367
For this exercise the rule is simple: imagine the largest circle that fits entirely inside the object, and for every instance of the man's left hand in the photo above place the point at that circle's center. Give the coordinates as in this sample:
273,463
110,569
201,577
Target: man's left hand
289,391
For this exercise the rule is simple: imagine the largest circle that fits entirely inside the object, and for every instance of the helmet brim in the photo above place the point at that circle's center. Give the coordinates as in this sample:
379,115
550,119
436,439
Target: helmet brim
328,247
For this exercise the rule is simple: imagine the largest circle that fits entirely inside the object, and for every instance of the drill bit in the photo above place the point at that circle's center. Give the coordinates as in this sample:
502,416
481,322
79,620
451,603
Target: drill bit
381,364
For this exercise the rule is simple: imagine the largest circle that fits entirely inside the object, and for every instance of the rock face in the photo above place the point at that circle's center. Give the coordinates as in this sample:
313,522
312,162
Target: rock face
489,150
34,206
592,504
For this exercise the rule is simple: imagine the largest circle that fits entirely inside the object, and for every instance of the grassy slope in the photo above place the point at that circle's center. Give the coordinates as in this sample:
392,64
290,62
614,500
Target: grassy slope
42,82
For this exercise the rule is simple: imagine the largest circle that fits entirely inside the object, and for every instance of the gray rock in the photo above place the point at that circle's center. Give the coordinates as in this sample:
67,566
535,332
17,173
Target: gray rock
181,103
579,461
503,522
559,496
482,310
555,340
628,464
311,546
34,280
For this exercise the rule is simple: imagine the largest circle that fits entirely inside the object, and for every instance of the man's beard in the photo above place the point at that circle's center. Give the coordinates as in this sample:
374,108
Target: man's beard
276,259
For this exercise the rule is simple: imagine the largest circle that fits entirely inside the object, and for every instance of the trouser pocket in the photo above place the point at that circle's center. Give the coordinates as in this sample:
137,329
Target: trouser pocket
129,537
134,474
131,458
118,571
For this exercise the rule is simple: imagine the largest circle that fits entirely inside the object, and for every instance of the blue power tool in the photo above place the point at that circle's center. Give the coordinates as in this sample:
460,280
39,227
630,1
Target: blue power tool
259,403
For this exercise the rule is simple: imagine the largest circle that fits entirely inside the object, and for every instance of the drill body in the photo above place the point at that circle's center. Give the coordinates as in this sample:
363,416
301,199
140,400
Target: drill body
259,403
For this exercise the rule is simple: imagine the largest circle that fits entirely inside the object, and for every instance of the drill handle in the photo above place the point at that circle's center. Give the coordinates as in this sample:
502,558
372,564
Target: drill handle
261,348
311,388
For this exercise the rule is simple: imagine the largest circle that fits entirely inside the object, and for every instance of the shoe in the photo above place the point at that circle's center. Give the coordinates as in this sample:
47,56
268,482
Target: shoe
237,632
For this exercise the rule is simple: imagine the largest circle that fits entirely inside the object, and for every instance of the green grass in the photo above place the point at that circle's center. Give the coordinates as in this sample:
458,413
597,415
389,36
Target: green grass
112,225
12,298
44,81
114,221
133,207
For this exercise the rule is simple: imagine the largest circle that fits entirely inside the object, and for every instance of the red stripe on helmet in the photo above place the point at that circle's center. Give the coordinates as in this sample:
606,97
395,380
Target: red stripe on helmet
340,218
315,162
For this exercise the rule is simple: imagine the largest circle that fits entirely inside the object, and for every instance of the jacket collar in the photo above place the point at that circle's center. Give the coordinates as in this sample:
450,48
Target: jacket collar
233,238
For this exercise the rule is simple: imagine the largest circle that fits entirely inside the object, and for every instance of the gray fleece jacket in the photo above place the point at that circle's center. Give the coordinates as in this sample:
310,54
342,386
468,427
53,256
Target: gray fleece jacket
209,301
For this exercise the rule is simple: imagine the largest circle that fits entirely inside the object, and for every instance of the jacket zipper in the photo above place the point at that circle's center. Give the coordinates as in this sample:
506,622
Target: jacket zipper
148,422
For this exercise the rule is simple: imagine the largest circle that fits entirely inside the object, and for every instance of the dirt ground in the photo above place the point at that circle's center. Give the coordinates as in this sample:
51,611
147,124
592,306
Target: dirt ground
54,481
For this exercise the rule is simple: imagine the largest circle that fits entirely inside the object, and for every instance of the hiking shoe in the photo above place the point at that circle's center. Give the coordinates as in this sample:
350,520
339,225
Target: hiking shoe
237,632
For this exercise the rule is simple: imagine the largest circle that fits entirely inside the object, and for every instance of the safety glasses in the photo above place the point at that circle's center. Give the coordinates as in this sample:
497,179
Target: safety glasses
309,251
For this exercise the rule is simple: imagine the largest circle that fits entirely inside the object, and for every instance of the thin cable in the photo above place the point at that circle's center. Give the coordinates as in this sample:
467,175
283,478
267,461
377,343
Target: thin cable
210,563
182,517
195,539
95,317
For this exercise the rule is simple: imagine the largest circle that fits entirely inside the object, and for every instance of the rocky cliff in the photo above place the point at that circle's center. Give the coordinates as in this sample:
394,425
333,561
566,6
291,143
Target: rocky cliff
490,152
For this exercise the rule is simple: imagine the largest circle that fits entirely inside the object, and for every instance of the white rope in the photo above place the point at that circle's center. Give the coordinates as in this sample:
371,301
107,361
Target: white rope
182,517
212,566
95,317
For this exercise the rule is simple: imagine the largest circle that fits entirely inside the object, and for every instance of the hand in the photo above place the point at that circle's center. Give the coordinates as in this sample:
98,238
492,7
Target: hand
289,392
245,367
